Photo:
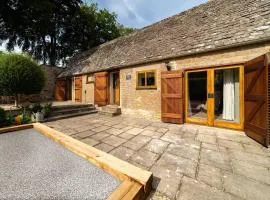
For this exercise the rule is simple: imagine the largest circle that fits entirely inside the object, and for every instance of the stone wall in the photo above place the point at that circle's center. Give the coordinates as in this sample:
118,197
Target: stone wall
47,94
147,103
140,102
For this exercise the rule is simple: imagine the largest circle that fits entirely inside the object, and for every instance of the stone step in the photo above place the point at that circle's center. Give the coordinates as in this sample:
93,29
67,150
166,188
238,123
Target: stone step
110,110
71,110
66,107
65,116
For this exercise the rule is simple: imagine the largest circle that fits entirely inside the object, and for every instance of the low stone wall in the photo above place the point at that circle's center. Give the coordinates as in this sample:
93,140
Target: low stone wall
47,94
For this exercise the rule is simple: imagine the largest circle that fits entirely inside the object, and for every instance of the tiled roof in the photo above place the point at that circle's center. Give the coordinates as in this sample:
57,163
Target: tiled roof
214,25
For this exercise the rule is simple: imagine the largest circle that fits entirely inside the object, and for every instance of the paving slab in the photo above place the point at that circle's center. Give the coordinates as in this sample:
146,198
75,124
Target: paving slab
122,153
172,137
137,142
250,170
144,158
114,131
134,131
210,175
184,150
84,134
194,190
250,157
126,136
104,147
151,134
216,159
156,146
181,165
246,188
90,141
206,138
114,140
100,129
99,136
230,144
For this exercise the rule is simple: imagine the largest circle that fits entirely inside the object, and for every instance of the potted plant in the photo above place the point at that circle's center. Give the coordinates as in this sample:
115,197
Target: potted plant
37,112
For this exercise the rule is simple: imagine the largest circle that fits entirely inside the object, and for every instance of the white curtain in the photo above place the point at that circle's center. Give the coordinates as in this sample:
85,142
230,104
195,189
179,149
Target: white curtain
228,95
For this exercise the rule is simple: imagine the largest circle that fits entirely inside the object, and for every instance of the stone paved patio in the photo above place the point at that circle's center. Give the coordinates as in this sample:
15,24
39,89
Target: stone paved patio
188,161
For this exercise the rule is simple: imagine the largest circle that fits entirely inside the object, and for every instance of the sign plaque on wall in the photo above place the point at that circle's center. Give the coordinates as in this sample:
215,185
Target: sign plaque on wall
128,77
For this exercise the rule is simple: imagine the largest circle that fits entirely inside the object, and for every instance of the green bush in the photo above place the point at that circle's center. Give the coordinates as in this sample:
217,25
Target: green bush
35,108
19,74
3,117
47,109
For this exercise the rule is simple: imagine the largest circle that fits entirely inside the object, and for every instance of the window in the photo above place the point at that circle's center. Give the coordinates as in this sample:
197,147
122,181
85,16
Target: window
146,80
90,79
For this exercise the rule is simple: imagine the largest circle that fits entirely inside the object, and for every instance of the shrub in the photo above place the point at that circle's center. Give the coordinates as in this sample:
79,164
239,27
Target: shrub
19,74
3,117
47,109
35,108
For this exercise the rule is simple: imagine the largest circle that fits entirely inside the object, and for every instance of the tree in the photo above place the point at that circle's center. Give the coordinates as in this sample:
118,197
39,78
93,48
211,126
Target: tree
19,74
125,30
54,30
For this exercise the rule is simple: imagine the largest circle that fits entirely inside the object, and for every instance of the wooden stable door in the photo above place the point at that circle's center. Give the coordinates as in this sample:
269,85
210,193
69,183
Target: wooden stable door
101,88
172,97
60,88
256,95
78,88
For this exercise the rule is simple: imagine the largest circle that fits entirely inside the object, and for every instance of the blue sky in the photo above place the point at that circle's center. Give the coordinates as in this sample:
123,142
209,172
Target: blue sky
140,13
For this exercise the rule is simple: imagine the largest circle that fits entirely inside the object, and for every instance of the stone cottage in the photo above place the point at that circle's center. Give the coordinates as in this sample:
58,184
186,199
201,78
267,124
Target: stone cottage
207,65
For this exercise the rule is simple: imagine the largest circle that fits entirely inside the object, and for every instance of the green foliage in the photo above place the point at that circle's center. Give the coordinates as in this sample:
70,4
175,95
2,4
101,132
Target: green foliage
54,30
19,74
47,109
125,30
26,119
10,120
36,108
3,117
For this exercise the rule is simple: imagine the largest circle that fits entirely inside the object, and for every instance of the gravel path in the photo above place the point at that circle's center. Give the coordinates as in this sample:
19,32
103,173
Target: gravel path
34,167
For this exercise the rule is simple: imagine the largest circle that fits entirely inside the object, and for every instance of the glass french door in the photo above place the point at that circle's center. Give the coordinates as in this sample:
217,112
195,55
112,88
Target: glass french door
214,97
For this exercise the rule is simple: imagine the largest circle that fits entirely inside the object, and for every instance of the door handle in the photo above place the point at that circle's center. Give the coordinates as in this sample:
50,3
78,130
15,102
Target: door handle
210,95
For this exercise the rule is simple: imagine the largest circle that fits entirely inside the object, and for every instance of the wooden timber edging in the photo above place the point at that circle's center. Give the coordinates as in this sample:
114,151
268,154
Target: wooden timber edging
137,183
15,128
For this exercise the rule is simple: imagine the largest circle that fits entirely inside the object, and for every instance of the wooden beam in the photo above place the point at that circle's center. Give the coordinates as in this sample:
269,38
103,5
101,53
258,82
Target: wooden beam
15,128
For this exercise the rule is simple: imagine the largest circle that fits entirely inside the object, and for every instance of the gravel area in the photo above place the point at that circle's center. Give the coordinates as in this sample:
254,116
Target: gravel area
34,167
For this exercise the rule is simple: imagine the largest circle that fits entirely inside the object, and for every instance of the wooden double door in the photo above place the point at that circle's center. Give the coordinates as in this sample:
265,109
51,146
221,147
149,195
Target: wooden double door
215,97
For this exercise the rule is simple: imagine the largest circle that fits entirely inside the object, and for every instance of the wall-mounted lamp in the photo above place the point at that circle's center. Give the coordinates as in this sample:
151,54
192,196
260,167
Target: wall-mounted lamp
171,65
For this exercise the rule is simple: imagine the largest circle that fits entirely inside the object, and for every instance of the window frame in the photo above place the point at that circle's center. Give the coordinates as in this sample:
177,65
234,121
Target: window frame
88,76
145,73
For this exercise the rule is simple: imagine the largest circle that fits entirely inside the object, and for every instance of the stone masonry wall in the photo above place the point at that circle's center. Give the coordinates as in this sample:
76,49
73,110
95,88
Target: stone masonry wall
143,102
147,103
